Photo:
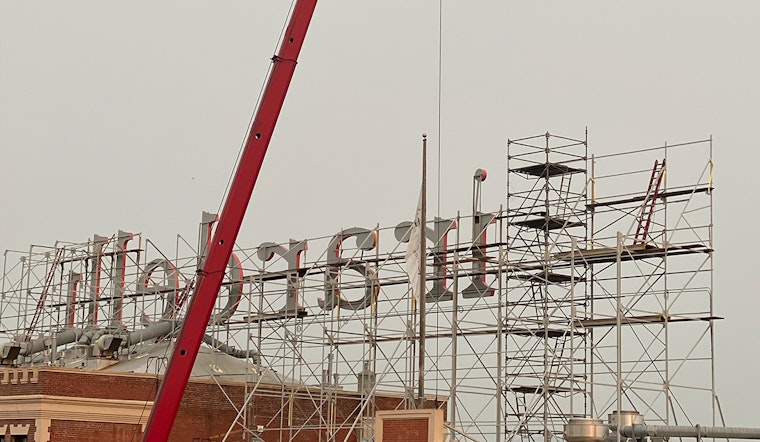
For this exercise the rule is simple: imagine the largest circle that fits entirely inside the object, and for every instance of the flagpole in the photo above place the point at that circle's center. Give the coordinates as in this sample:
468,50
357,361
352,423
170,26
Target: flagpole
423,289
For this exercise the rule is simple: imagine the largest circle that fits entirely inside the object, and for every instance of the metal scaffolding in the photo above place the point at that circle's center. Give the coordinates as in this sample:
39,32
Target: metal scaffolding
546,285
589,292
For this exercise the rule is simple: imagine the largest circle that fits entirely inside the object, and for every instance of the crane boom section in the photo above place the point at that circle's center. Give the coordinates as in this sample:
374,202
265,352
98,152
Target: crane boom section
212,274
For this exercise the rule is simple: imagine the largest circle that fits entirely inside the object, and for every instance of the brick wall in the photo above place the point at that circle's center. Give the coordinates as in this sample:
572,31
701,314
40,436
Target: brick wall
205,412
422,425
405,430
76,431
100,386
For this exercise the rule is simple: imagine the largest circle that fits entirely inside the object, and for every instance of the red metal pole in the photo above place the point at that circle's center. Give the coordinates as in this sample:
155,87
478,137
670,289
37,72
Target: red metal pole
210,278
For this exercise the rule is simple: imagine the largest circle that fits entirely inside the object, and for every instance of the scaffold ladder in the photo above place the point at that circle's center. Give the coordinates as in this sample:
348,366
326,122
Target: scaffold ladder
563,196
537,298
644,220
522,414
45,289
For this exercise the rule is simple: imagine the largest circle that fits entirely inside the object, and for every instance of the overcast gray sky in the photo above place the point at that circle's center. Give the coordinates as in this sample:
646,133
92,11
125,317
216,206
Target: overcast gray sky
129,115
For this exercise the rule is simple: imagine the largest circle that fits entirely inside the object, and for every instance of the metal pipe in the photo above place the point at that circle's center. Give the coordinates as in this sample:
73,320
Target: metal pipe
619,328
86,337
64,337
640,431
163,328
53,348
151,332
230,350
81,336
422,298
89,336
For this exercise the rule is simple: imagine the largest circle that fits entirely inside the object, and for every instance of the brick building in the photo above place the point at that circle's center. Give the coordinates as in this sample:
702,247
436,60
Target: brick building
64,404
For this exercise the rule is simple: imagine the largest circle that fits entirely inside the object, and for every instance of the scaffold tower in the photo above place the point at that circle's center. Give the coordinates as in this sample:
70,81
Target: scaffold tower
546,220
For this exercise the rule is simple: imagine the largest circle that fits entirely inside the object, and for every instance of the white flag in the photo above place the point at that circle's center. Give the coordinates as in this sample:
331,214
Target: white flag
412,257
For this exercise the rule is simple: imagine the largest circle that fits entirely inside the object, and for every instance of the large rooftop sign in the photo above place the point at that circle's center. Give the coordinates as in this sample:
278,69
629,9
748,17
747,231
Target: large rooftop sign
108,270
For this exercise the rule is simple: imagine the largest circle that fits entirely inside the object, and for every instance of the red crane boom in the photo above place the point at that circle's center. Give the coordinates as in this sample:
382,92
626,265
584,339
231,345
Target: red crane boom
211,275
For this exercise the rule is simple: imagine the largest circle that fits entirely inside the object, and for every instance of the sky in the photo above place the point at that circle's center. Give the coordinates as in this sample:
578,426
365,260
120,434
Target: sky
129,115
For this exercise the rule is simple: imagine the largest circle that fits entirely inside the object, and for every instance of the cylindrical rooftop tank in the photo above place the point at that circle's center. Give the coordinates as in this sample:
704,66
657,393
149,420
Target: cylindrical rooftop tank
585,429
